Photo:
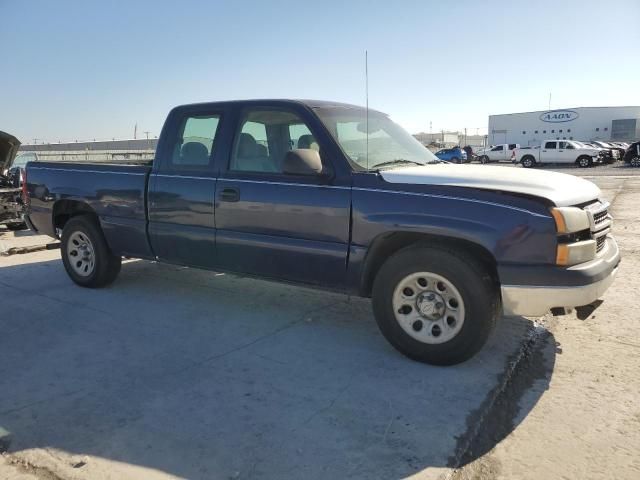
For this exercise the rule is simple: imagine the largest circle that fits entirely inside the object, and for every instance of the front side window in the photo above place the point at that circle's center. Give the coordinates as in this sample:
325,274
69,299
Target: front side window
497,149
374,140
264,138
194,145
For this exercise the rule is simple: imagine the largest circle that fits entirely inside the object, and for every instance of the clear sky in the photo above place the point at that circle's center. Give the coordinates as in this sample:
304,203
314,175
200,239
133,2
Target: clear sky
78,69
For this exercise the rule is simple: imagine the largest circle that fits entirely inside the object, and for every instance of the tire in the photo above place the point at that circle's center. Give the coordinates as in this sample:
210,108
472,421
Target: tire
465,280
635,162
86,255
455,160
484,159
528,162
584,162
16,226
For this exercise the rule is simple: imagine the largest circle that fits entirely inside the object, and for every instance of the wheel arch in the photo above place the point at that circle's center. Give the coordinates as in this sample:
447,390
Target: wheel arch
65,209
385,245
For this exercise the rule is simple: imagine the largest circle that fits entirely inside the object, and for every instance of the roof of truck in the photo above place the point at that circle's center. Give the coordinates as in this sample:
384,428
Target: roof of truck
306,102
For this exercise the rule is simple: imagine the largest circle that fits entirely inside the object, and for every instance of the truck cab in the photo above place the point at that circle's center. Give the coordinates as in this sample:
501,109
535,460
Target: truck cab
497,153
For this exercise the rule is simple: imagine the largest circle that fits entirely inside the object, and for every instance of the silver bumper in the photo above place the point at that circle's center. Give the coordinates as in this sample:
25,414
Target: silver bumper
535,301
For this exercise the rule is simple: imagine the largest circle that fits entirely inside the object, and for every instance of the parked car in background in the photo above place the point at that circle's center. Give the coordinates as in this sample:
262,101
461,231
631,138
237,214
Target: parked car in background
557,151
442,250
11,205
453,155
612,152
632,154
497,153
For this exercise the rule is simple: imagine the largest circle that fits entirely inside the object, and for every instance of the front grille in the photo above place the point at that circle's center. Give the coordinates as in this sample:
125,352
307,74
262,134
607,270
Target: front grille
600,243
600,216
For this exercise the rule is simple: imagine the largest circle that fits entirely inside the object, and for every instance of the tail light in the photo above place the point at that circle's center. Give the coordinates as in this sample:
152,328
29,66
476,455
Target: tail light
25,190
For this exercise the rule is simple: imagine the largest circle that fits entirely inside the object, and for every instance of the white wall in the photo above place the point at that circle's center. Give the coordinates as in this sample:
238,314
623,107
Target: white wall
583,123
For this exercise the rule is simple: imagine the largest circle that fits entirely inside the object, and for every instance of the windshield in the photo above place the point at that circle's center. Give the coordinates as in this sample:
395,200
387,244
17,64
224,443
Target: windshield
22,159
389,144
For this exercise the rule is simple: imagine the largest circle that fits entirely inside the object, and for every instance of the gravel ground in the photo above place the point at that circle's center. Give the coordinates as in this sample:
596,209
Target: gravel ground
586,419
619,169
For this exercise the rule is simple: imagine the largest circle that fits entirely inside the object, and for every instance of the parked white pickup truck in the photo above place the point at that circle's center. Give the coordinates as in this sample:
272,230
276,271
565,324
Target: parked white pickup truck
497,153
557,151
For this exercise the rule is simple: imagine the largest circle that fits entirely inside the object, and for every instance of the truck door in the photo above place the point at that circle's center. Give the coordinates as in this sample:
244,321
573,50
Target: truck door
276,225
549,152
182,189
497,153
566,153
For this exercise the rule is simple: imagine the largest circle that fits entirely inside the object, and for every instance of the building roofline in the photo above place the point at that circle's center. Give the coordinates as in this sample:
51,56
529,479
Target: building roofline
562,109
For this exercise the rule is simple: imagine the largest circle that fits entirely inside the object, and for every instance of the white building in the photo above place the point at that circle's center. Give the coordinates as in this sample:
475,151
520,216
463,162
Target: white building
582,123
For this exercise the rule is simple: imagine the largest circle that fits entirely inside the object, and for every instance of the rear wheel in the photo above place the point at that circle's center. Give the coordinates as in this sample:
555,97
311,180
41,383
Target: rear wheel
86,255
434,305
585,162
528,162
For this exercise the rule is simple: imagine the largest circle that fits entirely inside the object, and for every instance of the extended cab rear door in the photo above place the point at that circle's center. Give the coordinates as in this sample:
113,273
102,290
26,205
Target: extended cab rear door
277,225
182,187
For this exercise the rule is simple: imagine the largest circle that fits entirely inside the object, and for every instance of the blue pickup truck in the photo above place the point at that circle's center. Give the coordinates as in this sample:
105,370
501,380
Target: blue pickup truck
332,196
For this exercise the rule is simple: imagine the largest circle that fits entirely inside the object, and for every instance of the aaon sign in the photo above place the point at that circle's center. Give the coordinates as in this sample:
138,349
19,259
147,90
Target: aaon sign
559,116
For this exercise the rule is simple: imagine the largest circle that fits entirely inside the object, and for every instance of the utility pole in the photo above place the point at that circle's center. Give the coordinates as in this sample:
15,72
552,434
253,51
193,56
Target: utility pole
147,134
135,131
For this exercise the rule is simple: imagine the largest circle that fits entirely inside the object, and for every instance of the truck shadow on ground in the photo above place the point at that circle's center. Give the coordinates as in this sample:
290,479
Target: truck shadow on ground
205,375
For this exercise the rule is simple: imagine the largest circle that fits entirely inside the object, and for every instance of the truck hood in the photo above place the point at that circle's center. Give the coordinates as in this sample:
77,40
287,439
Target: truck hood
561,189
8,150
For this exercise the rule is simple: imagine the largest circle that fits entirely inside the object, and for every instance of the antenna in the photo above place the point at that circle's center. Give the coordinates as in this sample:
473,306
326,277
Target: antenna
366,90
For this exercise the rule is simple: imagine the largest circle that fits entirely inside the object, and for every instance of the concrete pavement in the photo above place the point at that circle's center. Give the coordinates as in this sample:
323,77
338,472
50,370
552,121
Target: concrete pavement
186,373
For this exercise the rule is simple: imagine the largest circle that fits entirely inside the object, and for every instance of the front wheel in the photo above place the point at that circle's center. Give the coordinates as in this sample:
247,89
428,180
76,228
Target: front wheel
484,159
434,305
635,162
455,160
528,162
86,255
585,162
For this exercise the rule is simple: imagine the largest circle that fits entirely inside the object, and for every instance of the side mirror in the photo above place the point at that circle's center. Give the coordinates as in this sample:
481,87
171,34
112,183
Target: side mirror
302,161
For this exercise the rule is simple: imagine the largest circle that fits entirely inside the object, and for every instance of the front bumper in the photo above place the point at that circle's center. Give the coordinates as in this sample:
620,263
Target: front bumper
536,300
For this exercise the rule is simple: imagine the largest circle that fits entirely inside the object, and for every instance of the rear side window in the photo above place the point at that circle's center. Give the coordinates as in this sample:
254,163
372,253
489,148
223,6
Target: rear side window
512,146
194,144
550,145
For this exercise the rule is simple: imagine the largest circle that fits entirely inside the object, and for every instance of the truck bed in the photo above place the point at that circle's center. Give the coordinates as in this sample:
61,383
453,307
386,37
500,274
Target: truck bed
115,192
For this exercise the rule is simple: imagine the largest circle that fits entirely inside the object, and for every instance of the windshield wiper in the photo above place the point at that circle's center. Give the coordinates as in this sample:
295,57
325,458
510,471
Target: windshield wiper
393,162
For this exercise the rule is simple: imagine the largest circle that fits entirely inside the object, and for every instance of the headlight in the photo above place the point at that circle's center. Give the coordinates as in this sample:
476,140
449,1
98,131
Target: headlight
570,219
573,248
574,253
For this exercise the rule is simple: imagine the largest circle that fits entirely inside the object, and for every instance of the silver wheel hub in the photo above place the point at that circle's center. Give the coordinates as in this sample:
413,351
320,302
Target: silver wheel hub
80,254
428,307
